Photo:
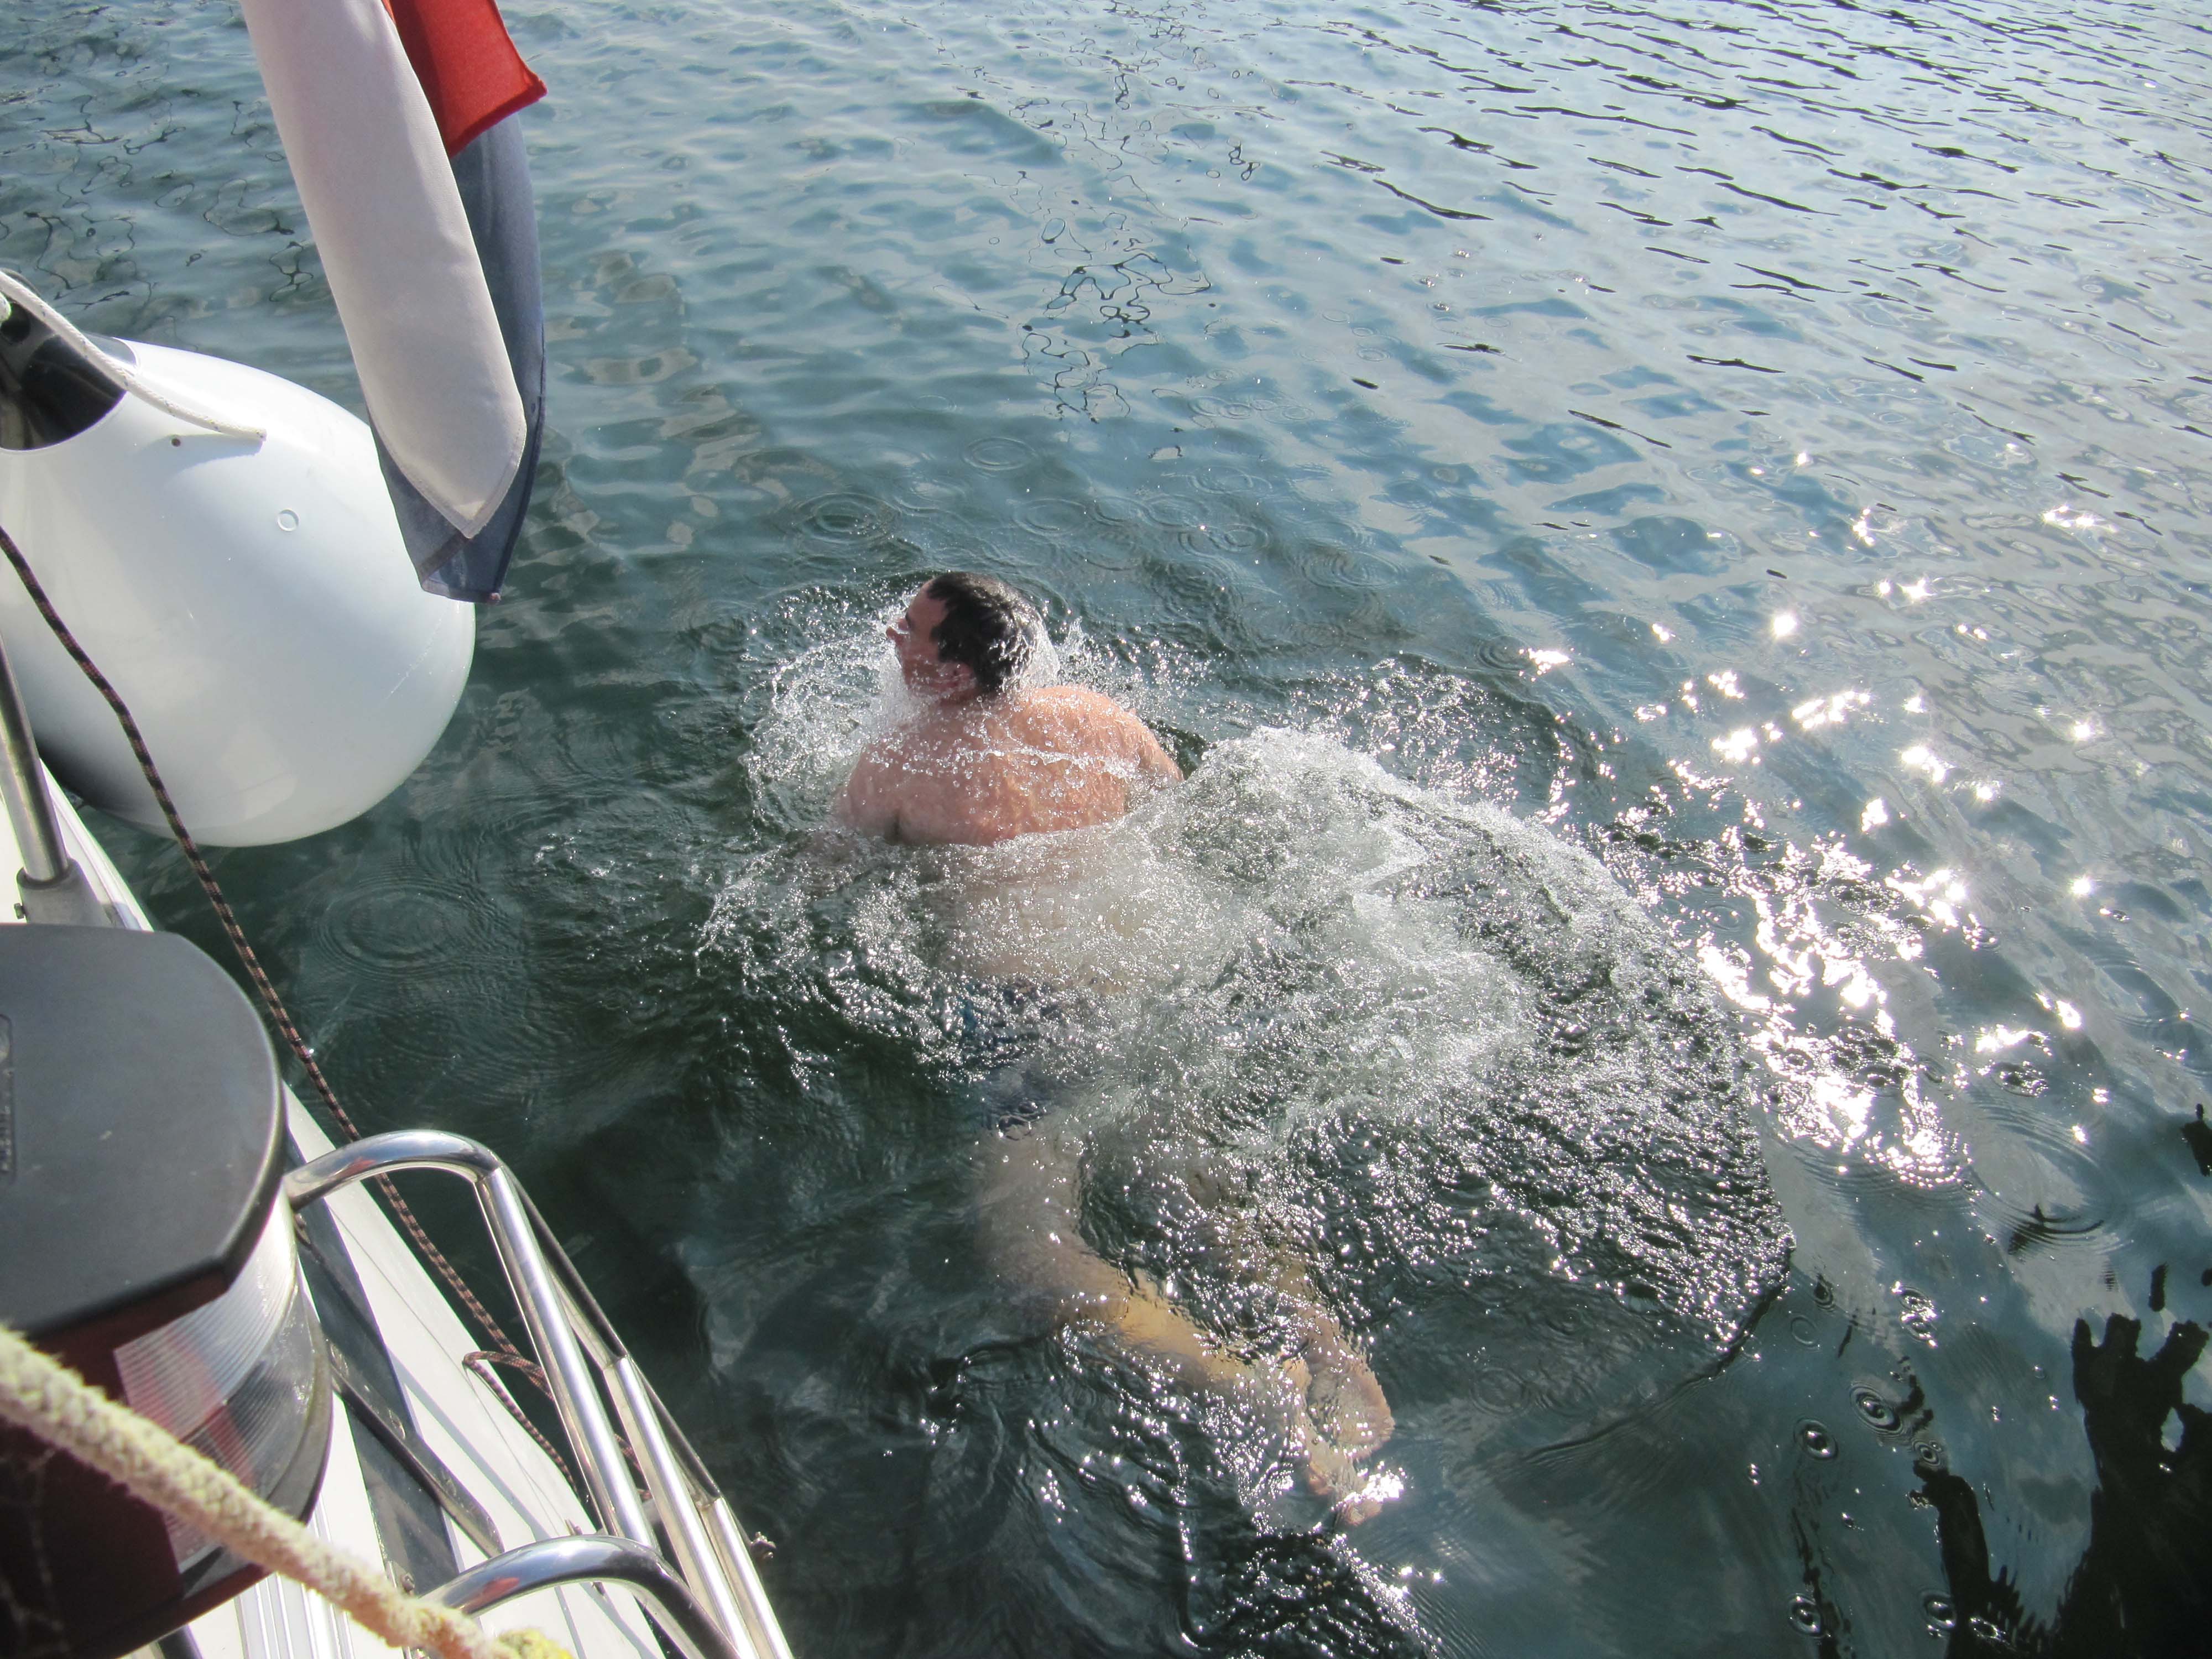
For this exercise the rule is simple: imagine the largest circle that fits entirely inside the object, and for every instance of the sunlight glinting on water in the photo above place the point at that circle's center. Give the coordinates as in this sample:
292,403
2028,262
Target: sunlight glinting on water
1667,539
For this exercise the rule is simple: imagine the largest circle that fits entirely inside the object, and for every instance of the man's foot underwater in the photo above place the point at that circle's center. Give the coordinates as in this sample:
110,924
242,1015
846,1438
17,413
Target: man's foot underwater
1343,1419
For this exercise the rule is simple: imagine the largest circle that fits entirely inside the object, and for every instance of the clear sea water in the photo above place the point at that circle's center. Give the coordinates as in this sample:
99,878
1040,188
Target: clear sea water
1673,542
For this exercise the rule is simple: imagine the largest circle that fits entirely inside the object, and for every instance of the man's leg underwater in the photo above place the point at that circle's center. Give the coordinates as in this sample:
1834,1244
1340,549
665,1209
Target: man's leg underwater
1323,1394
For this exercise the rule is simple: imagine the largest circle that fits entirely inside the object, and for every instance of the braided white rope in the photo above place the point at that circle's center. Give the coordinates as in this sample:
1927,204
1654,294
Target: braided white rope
60,1408
17,294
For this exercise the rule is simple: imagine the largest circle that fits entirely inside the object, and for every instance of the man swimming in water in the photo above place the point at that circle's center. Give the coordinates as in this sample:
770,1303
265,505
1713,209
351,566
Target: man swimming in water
989,758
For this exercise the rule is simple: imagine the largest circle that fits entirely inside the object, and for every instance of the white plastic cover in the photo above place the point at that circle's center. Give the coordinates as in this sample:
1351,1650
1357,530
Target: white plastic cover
251,602
234,1378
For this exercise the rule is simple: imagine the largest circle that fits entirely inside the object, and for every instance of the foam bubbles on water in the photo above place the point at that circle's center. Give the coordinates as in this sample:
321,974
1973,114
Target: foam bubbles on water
1042,666
1408,1031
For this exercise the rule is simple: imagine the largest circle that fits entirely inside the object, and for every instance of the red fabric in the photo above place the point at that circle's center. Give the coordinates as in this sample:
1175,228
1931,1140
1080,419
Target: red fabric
470,70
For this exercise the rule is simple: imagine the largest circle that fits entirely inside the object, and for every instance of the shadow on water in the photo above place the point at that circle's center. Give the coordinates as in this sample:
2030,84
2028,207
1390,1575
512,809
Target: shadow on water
2141,1585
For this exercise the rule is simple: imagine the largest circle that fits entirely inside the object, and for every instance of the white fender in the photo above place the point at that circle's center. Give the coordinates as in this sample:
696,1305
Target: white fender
252,601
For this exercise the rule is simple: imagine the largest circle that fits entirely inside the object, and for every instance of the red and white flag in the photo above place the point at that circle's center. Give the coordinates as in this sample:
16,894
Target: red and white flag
372,102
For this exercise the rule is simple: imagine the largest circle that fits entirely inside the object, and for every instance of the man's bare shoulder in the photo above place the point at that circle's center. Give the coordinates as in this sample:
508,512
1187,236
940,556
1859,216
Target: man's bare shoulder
876,762
885,750
1077,703
1079,719
1074,717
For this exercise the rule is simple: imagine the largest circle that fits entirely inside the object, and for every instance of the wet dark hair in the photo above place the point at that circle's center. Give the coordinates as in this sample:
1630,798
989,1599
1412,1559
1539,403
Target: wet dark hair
987,625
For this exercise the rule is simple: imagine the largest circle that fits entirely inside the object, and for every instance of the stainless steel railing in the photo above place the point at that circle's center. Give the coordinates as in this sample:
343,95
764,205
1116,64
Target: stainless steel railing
594,1560
51,887
580,1353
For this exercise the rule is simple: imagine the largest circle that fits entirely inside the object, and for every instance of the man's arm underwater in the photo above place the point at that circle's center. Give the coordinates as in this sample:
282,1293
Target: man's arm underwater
1153,763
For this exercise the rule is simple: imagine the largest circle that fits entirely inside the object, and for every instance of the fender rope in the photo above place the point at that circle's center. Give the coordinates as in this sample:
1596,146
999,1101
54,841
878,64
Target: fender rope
39,1395
272,1005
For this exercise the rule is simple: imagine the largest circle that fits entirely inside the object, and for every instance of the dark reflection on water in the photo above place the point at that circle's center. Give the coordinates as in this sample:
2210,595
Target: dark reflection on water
1764,448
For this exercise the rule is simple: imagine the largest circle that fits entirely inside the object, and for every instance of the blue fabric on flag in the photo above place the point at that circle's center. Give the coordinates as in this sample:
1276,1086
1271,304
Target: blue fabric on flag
493,173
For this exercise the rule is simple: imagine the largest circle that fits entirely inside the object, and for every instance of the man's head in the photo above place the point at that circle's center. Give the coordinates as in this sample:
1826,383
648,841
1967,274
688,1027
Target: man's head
964,635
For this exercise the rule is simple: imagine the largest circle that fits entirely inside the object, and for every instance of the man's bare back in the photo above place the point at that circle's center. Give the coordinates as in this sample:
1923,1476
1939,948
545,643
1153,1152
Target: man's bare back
987,760
1059,757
